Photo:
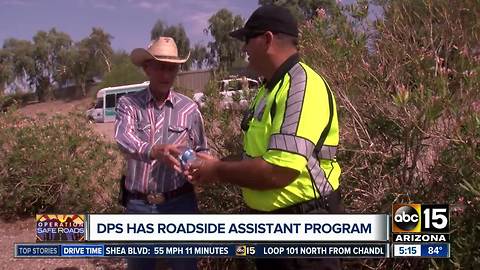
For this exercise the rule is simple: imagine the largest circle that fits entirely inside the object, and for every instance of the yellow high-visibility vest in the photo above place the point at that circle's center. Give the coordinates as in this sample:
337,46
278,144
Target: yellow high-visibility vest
292,115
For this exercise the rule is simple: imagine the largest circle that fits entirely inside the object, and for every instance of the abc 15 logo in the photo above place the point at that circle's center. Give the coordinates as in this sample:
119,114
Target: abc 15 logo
413,218
244,250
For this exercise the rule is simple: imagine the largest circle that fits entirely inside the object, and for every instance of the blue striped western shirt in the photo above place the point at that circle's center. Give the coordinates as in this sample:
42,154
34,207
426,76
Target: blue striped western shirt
140,124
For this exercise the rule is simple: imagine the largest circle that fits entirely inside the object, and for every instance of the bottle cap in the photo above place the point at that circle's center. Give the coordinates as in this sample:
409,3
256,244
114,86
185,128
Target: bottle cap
187,157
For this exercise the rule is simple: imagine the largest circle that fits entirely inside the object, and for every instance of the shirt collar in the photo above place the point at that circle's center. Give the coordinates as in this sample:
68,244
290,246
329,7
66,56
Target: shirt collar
171,98
282,70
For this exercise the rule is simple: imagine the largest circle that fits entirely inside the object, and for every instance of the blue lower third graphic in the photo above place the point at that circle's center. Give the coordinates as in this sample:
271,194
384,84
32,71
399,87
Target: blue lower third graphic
170,250
82,250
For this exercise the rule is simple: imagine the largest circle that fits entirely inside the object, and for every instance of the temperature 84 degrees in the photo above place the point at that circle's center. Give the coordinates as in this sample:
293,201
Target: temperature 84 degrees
436,250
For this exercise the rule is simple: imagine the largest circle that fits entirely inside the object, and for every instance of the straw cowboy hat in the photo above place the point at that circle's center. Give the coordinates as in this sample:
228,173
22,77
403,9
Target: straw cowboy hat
162,49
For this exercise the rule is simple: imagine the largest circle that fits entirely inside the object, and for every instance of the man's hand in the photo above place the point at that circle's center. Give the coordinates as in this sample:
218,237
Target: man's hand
167,153
203,169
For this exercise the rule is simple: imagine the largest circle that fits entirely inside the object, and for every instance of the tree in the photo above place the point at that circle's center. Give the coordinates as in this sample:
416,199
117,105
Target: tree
17,53
199,56
6,70
99,42
49,51
52,59
123,72
157,30
39,62
90,58
224,51
304,9
177,32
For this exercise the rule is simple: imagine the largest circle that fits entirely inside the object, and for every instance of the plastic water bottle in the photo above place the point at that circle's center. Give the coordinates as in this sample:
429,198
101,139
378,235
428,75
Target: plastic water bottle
187,157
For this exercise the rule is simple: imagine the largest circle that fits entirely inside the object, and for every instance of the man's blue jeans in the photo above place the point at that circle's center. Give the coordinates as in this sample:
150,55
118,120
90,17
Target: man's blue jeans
184,204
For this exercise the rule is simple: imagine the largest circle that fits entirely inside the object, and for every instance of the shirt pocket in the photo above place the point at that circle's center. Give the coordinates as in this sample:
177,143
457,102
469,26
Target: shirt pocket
180,135
143,130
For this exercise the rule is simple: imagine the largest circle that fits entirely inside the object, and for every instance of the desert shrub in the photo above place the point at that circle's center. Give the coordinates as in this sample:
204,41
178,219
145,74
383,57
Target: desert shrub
17,100
55,165
6,101
459,167
222,127
407,87
185,91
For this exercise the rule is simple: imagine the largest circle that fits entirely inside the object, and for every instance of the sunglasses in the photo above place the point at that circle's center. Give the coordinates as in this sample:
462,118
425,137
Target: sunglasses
251,35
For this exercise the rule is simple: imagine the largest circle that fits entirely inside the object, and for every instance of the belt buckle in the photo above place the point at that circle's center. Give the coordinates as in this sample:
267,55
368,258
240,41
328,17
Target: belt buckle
155,198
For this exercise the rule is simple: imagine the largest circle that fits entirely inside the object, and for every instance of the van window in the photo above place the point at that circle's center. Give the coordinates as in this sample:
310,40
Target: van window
110,101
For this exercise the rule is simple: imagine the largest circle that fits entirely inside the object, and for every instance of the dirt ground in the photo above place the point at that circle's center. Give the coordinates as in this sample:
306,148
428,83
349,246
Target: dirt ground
23,231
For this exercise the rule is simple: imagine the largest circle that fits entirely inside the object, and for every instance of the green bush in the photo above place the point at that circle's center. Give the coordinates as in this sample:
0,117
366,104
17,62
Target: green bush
408,100
16,100
56,165
222,128
222,125
459,169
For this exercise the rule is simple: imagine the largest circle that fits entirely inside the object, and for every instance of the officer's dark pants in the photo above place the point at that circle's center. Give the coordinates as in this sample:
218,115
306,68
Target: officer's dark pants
332,204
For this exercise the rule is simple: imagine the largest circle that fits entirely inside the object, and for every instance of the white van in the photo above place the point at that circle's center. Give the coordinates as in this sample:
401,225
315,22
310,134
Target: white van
104,109
231,91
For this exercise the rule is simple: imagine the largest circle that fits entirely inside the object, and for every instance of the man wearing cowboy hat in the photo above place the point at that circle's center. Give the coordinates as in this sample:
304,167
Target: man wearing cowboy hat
151,127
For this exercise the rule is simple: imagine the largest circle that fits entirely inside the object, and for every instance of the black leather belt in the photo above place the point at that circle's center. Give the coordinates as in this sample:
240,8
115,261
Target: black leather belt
159,198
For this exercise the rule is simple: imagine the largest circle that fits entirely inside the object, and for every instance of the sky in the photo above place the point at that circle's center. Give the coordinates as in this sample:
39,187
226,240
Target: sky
128,21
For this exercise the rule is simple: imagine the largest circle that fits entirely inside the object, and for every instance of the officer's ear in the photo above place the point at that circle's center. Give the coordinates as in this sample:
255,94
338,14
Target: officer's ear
268,39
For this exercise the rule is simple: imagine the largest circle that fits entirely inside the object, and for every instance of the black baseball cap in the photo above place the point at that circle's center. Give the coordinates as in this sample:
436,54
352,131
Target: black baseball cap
268,18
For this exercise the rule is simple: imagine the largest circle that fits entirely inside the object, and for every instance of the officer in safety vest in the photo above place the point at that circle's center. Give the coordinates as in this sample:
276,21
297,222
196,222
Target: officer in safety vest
290,133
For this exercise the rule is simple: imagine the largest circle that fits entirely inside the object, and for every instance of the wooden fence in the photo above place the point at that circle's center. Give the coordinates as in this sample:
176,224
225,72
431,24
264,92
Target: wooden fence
195,81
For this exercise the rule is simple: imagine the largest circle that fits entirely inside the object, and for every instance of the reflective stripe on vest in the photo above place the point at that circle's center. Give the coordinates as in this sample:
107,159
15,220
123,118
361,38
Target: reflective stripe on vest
301,146
327,152
292,144
293,107
318,175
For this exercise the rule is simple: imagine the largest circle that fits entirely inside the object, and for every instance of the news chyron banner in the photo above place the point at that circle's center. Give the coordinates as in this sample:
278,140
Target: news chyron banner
421,230
225,227
222,235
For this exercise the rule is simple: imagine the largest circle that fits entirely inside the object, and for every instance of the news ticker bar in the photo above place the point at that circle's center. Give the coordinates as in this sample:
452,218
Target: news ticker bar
265,250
